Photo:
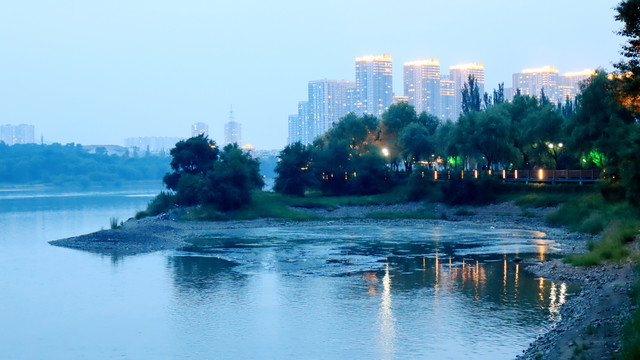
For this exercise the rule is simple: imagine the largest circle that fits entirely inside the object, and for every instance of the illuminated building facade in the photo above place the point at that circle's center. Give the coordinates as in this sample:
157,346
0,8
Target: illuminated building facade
459,74
569,84
199,129
422,85
448,109
532,82
329,101
374,84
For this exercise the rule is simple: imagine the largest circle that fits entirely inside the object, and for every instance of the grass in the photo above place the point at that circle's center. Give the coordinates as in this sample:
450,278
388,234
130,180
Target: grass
115,223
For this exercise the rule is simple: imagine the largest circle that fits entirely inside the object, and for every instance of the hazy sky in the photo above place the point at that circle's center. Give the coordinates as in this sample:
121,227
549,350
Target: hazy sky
98,71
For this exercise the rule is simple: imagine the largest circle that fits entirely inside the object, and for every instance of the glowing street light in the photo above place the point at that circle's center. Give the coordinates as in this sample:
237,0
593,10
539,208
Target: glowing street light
385,152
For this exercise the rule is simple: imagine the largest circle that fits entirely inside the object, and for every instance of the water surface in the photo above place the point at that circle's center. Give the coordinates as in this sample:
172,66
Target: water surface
442,291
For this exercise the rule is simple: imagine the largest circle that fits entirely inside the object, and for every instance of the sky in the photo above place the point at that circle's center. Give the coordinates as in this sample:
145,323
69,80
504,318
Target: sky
99,71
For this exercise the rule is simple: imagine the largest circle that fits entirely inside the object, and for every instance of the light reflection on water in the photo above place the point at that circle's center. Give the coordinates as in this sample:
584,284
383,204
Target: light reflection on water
443,291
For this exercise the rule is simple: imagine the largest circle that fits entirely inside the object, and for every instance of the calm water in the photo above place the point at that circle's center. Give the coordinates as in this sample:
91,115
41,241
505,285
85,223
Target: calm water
323,292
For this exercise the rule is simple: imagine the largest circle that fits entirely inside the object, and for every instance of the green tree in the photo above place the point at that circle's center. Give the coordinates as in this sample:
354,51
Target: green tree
416,142
293,170
601,124
628,12
194,156
393,121
471,96
228,185
487,133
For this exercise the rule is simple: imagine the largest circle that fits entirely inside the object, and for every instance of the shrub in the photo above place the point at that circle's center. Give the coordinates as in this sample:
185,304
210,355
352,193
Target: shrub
483,190
421,187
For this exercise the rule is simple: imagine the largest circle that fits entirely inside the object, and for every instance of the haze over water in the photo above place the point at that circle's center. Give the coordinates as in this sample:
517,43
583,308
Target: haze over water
325,291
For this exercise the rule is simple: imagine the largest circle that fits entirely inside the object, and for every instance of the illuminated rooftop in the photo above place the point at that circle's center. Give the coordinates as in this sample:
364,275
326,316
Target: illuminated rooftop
248,147
422,62
382,57
547,68
469,66
585,72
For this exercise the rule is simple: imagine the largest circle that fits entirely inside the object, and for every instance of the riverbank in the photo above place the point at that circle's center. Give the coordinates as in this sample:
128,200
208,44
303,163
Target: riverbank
591,324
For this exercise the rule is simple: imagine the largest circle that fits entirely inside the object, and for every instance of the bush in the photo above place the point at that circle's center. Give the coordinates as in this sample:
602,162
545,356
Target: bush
481,191
421,187
162,203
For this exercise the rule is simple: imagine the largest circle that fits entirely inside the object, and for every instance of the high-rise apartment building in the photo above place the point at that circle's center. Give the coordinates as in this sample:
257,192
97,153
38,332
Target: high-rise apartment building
374,84
232,131
569,84
199,129
448,110
328,102
294,133
532,82
17,134
459,74
422,85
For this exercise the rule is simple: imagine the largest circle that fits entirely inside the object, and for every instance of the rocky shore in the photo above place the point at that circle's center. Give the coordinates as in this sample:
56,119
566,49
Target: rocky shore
590,325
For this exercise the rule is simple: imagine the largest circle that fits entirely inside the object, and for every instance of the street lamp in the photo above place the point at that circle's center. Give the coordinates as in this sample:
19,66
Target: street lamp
385,152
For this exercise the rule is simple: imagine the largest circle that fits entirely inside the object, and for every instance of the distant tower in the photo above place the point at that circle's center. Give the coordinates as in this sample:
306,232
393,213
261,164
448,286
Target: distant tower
199,129
232,131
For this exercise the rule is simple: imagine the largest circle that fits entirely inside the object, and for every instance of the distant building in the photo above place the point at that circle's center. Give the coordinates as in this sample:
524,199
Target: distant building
400,98
329,101
6,134
294,133
422,85
448,110
232,131
199,129
154,144
305,123
17,134
570,84
532,82
459,74
374,84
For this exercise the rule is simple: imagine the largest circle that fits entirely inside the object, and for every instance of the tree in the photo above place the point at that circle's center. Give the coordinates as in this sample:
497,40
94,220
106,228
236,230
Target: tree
293,170
487,133
519,109
470,96
393,121
628,12
228,185
601,124
416,141
194,156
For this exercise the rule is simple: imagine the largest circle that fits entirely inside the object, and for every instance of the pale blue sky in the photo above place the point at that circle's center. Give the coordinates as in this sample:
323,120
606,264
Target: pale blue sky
98,71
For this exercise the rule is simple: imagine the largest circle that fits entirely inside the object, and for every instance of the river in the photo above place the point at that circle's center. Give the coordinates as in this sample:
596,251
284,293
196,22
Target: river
314,292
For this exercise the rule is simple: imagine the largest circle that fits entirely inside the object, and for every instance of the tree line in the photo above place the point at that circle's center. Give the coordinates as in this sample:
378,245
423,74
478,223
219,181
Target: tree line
72,165
366,155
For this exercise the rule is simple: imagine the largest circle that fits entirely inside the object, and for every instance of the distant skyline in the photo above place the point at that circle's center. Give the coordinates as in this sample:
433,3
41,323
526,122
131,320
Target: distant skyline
100,71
